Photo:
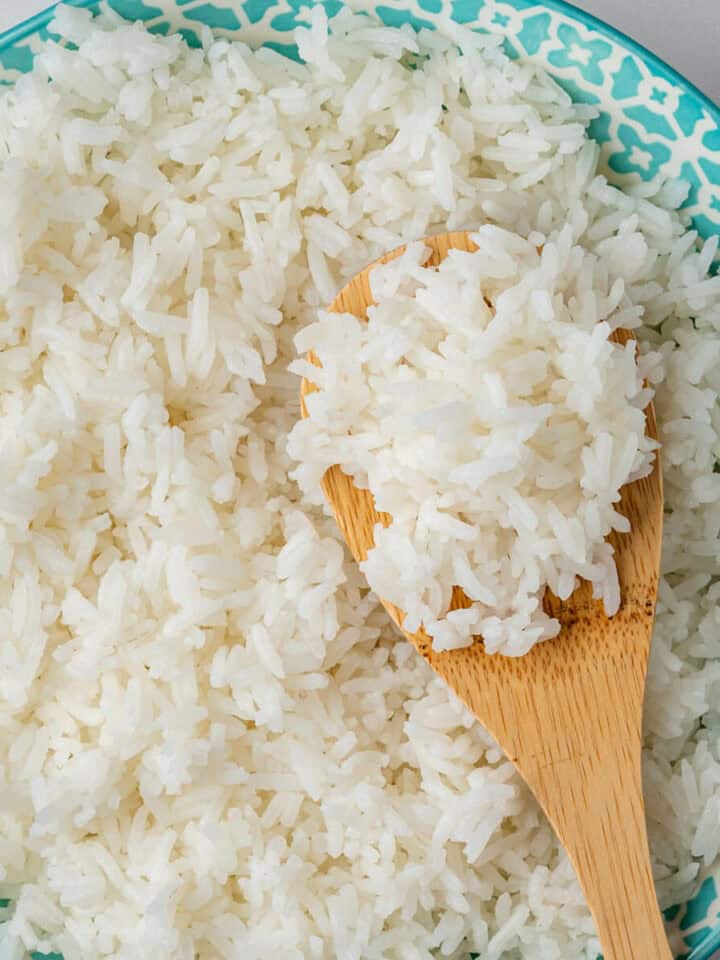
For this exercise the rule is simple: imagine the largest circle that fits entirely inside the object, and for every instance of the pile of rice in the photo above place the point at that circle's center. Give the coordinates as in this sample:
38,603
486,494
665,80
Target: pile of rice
213,742
485,408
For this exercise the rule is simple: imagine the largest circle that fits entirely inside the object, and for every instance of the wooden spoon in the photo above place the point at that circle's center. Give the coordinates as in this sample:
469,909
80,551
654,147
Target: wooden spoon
569,713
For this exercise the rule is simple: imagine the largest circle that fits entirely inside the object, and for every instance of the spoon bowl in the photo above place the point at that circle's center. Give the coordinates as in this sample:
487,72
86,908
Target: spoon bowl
568,714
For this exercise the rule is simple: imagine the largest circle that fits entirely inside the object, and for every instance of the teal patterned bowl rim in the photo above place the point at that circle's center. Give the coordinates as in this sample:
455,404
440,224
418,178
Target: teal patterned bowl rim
652,121
23,29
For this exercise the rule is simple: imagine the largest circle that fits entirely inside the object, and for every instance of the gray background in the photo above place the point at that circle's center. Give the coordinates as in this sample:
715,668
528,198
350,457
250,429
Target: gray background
685,33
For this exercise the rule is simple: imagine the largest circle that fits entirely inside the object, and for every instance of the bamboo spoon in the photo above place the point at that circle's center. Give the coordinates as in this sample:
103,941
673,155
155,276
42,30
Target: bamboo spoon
568,714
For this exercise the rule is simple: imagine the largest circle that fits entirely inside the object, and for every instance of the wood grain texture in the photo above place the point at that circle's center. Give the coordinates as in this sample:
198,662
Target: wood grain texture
569,713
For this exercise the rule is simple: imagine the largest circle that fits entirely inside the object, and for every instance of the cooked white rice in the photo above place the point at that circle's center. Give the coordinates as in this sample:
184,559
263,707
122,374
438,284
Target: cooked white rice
488,412
214,744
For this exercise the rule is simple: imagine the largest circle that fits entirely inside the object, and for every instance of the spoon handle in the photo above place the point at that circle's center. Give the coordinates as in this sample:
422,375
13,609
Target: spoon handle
590,785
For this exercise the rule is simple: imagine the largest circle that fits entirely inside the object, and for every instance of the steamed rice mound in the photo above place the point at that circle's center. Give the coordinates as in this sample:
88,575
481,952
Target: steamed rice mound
489,413
214,743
